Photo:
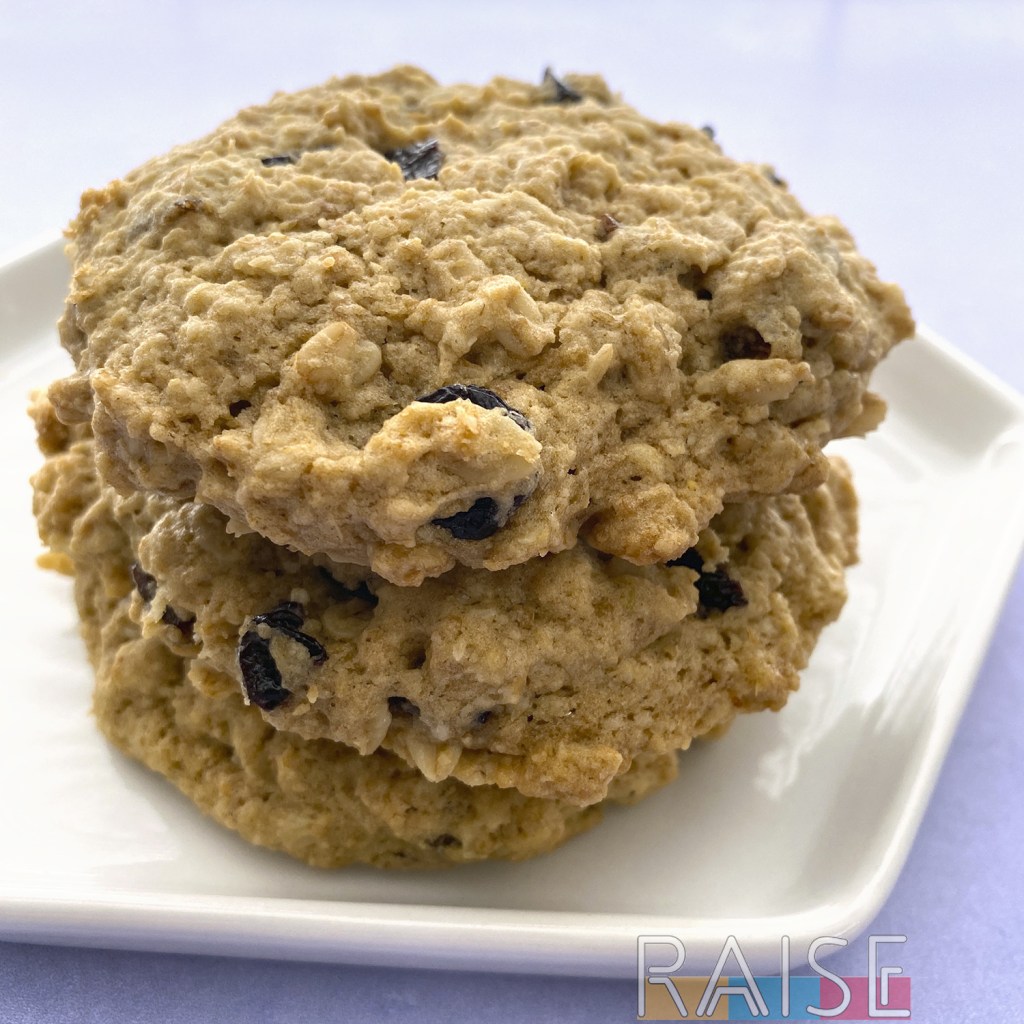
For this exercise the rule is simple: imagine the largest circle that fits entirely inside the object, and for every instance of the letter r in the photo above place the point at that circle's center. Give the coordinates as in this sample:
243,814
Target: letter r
658,974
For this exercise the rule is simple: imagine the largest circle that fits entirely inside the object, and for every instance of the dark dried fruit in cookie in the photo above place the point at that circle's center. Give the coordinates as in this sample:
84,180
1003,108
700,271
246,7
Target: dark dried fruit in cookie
718,591
278,160
744,342
709,131
260,674
484,517
562,92
690,558
608,225
339,592
481,520
239,407
444,839
287,615
286,619
483,397
418,159
403,706
144,583
185,626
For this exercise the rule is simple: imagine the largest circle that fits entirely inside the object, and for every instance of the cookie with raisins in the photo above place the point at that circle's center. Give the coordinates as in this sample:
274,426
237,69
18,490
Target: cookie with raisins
258,317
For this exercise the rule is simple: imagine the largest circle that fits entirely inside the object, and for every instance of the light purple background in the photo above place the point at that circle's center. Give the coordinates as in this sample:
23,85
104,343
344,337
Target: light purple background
904,118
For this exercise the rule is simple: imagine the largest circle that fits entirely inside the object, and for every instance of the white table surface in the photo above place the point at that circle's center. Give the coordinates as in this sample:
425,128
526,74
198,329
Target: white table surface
903,118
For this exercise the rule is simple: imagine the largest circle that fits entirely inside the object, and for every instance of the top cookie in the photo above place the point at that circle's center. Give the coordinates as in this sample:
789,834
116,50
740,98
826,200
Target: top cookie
409,326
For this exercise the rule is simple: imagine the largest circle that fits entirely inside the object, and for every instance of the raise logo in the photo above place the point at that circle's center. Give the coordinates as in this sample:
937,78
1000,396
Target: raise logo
665,994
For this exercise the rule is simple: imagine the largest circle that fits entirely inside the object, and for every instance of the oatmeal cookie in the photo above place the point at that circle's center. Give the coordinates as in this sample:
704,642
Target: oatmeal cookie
406,326
548,677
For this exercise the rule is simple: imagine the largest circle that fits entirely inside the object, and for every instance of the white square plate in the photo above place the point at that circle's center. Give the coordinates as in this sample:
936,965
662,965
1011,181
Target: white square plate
796,823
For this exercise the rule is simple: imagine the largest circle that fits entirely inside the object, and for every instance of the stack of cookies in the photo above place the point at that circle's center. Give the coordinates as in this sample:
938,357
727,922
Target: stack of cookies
439,462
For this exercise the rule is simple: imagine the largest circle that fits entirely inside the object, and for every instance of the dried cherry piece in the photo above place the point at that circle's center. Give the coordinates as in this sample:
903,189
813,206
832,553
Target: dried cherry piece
562,92
288,615
278,160
744,342
483,397
481,520
418,159
718,591
315,649
260,674
144,583
478,522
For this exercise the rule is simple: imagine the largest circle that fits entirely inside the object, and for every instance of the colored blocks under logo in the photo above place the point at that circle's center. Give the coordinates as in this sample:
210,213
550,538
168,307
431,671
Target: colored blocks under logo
663,999
803,992
860,1007
660,1004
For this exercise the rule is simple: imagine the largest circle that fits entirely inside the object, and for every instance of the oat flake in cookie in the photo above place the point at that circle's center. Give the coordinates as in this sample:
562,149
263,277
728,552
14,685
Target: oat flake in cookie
256,316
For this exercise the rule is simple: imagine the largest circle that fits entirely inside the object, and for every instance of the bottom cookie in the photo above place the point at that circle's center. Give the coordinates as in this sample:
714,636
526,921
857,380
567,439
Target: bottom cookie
317,800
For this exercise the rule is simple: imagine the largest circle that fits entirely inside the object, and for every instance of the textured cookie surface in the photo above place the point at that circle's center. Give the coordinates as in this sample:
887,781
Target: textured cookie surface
548,677
314,799
254,317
